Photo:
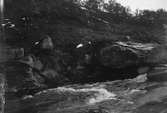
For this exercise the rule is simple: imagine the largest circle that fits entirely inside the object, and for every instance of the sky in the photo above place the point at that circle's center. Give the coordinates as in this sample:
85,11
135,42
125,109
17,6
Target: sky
1,5
144,4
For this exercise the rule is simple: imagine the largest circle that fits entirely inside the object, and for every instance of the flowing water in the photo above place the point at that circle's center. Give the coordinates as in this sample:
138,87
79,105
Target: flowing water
121,96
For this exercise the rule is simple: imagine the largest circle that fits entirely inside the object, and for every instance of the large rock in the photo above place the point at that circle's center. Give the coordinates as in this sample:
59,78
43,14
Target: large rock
21,79
47,43
158,74
158,55
32,61
53,78
123,54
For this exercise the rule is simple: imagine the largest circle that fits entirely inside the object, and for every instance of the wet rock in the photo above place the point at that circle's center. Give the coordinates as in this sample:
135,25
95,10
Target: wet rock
158,74
38,64
32,61
21,79
14,53
123,54
50,74
117,57
47,43
53,78
158,55
141,78
143,70
28,60
20,53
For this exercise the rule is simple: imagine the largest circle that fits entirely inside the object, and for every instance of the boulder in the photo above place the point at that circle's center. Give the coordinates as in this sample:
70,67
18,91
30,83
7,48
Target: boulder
123,54
20,53
47,43
53,78
117,57
158,55
32,61
21,79
14,53
158,74
29,60
38,65
143,70
50,74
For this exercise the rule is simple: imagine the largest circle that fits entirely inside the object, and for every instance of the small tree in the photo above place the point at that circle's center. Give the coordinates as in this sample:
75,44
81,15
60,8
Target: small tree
94,4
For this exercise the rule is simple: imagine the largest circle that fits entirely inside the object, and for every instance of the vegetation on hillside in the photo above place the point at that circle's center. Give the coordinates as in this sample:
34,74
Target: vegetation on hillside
38,18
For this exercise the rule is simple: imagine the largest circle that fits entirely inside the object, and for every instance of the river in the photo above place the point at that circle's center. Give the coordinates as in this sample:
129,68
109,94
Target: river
137,95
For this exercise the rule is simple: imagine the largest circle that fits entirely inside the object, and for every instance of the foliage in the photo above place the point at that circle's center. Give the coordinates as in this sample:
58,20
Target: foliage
39,18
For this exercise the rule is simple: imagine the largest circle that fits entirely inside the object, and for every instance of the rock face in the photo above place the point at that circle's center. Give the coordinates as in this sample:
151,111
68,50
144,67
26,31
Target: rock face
158,73
89,63
118,57
47,43
158,55
28,76
22,79
123,54
52,68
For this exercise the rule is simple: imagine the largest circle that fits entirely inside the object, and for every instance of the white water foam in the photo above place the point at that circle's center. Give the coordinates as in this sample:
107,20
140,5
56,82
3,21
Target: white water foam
100,95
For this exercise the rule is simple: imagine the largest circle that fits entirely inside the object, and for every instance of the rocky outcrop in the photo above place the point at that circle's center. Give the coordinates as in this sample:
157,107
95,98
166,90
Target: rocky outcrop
124,54
53,78
29,75
158,55
21,79
158,73
67,43
116,56
47,43
90,62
